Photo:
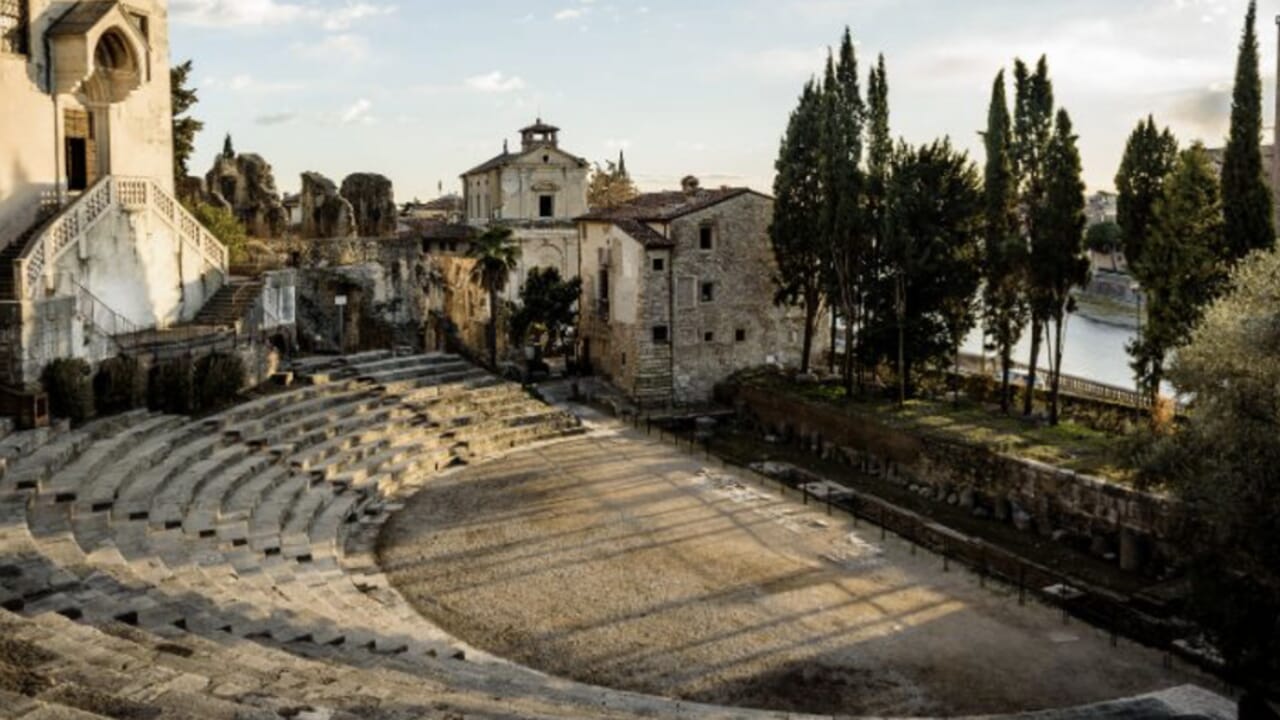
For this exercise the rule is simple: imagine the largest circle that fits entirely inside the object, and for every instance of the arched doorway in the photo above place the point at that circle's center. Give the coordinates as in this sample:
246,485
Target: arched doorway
117,71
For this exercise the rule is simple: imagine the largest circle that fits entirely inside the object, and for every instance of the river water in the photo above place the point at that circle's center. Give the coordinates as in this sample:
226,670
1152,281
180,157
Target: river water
1095,350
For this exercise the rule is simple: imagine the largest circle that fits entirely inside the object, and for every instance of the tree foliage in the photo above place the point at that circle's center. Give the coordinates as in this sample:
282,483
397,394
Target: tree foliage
1004,252
1149,157
1058,259
1181,266
546,300
1247,203
496,256
1032,131
932,252
796,230
185,128
1104,237
224,225
1223,465
610,186
844,233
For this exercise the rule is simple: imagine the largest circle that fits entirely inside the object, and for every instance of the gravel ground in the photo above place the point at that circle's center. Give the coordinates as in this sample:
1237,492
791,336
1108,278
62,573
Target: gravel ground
623,562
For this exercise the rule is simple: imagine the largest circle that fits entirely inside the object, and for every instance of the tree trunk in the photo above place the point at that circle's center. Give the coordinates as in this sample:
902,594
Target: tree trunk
1028,402
901,303
493,329
955,397
831,358
1006,369
847,368
810,320
1056,369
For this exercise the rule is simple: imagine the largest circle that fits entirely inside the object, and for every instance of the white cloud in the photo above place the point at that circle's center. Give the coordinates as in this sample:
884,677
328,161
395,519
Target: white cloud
570,14
782,63
343,47
495,82
357,112
251,13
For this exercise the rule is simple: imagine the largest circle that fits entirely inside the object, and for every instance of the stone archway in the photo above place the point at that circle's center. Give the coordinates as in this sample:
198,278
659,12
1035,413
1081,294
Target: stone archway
116,72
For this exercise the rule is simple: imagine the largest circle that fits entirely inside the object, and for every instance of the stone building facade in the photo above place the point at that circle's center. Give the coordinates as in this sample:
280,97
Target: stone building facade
678,293
92,240
536,191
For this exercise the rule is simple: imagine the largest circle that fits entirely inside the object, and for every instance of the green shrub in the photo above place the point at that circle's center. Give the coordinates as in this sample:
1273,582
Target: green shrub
219,378
70,389
171,388
120,385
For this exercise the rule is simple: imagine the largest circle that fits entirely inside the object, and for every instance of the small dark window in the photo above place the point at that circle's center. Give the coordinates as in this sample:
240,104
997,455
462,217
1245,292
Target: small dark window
706,237
660,334
740,335
546,158
708,337
659,264
14,26
604,284
546,206
624,359
708,292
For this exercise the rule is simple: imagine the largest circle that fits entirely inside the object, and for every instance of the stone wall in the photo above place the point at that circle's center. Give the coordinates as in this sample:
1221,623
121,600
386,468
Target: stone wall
1113,521
387,284
741,267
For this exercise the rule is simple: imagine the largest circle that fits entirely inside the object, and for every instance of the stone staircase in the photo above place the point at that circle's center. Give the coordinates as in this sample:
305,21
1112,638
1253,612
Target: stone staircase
156,566
229,305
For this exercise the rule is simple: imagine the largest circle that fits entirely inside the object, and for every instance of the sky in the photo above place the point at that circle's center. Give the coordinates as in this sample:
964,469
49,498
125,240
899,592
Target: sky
421,91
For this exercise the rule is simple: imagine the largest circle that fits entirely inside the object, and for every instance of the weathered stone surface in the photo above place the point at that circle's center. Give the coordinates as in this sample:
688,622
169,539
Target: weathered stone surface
245,184
325,213
373,204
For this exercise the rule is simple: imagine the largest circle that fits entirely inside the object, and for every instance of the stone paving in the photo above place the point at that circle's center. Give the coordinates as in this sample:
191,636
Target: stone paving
158,566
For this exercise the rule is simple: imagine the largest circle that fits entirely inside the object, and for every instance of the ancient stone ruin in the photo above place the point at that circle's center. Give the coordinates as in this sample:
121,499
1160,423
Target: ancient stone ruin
373,201
325,212
245,185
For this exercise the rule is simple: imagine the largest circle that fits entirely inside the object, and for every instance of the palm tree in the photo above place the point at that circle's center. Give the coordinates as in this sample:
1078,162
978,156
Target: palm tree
496,255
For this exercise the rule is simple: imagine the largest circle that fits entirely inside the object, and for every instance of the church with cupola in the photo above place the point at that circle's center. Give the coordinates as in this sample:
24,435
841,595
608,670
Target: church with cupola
537,191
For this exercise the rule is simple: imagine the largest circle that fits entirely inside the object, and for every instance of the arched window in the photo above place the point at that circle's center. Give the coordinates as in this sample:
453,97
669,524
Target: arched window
13,26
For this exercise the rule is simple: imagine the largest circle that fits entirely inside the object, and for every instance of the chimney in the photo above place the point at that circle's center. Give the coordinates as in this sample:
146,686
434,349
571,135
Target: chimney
689,184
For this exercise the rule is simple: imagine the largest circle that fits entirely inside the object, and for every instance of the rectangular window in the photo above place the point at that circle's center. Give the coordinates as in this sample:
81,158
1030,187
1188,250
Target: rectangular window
660,334
659,264
739,335
708,292
14,26
706,237
604,284
708,336
546,206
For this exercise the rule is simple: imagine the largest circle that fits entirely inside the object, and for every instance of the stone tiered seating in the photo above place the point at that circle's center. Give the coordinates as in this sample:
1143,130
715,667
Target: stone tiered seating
158,566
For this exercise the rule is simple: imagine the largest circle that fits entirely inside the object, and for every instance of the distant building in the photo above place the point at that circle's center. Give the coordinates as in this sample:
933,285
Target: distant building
1101,207
536,191
1270,170
446,208
677,293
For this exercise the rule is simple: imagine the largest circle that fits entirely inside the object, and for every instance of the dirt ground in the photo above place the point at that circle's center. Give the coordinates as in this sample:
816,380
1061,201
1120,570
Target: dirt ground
623,562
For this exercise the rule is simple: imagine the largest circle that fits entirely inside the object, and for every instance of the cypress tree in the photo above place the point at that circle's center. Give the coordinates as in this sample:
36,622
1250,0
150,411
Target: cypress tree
796,230
846,236
1149,157
1246,201
1004,301
1181,265
1033,127
877,325
1058,259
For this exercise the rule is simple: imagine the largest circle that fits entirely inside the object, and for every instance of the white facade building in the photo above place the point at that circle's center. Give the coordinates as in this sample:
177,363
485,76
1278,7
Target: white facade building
92,241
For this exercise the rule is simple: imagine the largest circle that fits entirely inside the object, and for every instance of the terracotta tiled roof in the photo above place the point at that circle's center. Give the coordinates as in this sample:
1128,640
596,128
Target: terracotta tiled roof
440,230
496,162
643,233
668,205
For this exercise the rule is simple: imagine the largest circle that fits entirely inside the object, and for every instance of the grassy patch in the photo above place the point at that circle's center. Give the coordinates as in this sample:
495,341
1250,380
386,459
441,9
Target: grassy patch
1069,445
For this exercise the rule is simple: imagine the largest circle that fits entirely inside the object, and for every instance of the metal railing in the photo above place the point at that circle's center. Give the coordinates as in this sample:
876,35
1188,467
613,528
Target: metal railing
1068,384
104,318
71,226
